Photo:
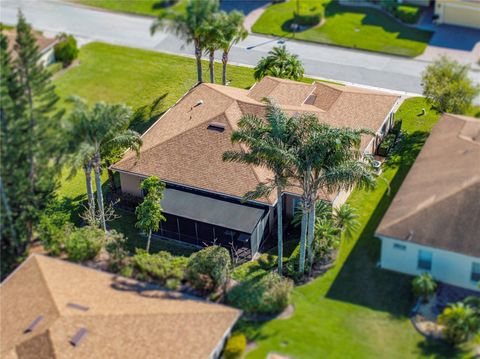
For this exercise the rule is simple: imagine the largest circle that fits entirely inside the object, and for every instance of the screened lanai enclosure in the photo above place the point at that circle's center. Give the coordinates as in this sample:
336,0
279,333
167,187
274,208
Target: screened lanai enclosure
203,221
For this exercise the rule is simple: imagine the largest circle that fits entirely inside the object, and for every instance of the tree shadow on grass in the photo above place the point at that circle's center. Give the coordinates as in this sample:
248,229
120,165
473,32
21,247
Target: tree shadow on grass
146,115
360,281
437,349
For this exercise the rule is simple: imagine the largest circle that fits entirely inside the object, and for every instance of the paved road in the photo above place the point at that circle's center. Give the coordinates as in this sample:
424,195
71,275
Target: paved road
328,62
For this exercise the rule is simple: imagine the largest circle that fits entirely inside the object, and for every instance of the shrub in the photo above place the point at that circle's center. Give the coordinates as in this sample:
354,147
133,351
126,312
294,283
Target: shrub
306,20
209,268
447,86
159,267
386,145
115,246
84,244
269,294
235,346
54,226
408,14
460,322
423,286
66,49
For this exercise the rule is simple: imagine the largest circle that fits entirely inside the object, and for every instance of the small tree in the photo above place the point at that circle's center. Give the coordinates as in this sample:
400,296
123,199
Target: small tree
460,323
424,286
149,212
66,49
447,86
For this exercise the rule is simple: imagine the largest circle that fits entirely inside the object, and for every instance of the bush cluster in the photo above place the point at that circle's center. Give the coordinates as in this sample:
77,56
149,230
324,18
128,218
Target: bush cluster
84,244
161,267
408,14
66,49
54,226
235,346
306,20
386,145
209,269
269,294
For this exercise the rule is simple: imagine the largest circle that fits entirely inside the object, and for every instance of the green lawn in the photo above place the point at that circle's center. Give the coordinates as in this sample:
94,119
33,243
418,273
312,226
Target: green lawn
357,310
362,28
141,7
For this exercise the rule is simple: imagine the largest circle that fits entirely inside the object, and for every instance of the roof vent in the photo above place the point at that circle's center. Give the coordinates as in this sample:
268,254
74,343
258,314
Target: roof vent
33,324
215,126
77,306
77,338
199,103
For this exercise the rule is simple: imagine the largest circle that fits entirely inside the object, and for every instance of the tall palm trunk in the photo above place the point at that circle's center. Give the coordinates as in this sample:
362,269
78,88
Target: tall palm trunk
303,240
98,183
87,168
211,65
224,67
198,56
311,232
111,178
149,240
280,230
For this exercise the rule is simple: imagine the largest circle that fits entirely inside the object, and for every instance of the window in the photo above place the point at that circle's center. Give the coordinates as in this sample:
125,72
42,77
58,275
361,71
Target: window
401,247
424,260
475,272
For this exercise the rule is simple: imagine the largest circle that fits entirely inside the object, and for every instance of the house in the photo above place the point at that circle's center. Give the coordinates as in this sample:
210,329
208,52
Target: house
458,12
433,223
51,308
45,46
184,148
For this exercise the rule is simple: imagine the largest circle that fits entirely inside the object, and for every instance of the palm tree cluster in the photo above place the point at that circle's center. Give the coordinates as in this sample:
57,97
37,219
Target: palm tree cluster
279,63
305,155
208,29
99,132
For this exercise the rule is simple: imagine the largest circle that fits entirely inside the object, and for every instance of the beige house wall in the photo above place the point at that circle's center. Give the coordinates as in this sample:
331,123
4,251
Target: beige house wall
131,184
458,12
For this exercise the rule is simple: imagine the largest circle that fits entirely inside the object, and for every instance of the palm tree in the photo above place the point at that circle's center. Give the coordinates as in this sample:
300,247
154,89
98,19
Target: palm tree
460,322
424,286
329,159
188,25
279,63
346,219
211,34
102,129
233,31
268,143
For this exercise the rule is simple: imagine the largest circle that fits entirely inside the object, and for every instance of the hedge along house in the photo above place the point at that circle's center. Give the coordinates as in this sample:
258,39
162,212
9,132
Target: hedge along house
433,223
184,148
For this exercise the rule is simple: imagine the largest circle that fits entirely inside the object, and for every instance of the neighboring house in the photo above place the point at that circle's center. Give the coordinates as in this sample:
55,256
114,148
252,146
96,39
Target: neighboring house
433,224
184,149
45,46
458,12
51,308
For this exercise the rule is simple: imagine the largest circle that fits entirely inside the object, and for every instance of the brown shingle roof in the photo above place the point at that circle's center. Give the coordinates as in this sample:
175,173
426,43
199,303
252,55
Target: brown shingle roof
180,149
438,203
125,318
43,42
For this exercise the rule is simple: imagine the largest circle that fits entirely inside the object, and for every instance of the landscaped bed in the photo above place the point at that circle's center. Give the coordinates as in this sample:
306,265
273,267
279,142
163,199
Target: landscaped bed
355,27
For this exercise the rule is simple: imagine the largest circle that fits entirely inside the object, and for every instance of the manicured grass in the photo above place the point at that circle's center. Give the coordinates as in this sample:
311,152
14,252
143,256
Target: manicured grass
355,27
357,310
142,7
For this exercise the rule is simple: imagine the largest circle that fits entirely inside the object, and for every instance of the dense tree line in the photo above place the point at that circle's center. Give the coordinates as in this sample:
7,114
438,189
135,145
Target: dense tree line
32,144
